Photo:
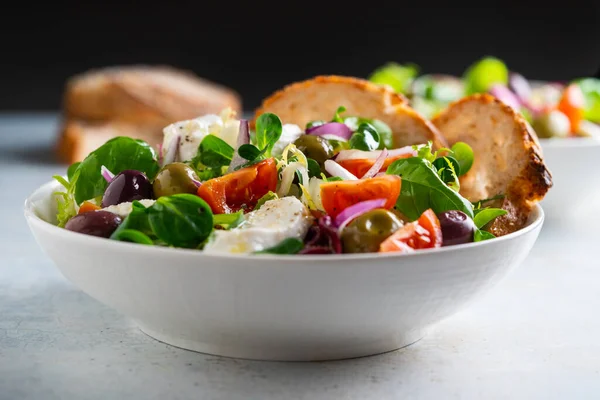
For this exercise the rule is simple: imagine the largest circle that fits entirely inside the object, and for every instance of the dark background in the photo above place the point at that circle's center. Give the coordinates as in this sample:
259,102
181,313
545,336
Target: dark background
258,47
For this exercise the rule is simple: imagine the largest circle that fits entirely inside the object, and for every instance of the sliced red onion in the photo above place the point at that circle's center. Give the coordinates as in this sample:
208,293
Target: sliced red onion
331,128
197,183
330,233
355,210
404,151
505,95
373,155
336,169
243,138
379,174
171,151
377,166
520,86
106,174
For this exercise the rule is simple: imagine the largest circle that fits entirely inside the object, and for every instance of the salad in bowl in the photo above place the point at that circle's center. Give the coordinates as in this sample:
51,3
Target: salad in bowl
555,109
336,222
368,178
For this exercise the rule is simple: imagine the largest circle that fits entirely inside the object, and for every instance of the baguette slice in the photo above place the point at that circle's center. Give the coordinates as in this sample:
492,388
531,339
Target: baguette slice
318,99
146,95
508,157
79,138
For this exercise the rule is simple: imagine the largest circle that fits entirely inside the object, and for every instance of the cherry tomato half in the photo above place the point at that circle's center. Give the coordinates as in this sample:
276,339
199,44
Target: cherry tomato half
241,189
337,196
359,167
424,233
572,104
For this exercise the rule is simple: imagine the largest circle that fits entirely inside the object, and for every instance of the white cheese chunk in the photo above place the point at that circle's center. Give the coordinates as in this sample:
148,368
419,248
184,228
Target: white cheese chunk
124,209
191,132
289,134
266,227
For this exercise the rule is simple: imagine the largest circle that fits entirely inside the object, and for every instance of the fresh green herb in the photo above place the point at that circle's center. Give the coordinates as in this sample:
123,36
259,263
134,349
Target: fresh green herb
313,168
131,235
482,235
250,152
484,74
331,178
205,173
181,220
383,129
268,196
286,246
486,215
479,203
137,220
447,168
463,153
336,116
65,200
422,189
117,154
215,152
71,171
425,152
268,132
313,124
365,138
398,76
228,221
590,88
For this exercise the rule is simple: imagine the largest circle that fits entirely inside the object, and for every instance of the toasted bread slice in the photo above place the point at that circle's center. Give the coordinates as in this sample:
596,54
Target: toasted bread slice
508,157
147,95
318,99
79,138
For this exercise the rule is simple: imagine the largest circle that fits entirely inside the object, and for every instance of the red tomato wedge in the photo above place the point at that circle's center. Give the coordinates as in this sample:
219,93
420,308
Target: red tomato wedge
87,206
424,233
337,196
359,167
572,104
241,189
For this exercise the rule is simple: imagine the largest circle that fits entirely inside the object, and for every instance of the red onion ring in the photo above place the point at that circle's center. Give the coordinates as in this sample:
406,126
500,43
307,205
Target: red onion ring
331,128
377,165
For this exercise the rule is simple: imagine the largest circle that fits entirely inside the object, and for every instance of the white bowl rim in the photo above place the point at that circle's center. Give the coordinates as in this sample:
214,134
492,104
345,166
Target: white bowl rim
570,142
536,219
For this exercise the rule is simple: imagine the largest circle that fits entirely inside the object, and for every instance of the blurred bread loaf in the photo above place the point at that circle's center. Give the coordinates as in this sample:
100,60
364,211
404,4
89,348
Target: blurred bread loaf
137,101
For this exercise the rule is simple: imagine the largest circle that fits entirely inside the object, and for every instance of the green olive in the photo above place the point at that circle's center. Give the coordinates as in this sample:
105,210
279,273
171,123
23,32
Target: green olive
175,178
552,124
315,147
365,233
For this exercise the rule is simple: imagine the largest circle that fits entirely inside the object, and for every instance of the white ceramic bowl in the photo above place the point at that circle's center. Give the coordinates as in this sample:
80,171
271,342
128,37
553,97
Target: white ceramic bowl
313,307
576,177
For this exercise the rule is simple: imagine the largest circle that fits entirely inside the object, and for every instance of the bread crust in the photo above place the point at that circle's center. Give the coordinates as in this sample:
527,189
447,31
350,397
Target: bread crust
149,95
508,157
78,138
318,98
137,101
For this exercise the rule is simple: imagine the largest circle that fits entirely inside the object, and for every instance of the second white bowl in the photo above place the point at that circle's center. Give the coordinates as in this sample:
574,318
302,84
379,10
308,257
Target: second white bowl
575,175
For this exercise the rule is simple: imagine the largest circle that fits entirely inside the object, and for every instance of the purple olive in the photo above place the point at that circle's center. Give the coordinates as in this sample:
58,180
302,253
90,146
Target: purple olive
96,223
128,185
457,227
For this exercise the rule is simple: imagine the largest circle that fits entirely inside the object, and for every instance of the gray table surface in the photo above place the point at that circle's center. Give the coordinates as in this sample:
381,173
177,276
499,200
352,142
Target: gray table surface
535,336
